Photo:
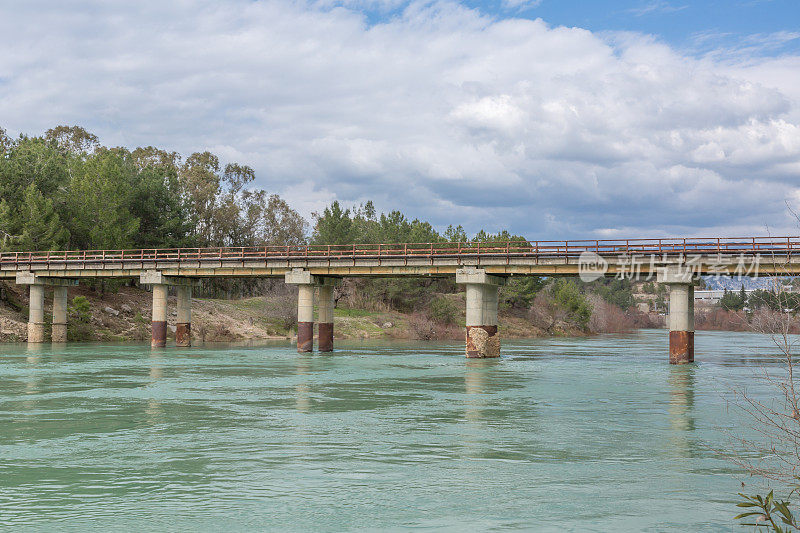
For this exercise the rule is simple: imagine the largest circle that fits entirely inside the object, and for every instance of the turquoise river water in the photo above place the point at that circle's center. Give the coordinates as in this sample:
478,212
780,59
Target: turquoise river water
588,434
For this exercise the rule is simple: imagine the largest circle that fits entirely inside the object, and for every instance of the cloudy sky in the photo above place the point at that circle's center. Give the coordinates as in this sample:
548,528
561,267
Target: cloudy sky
550,118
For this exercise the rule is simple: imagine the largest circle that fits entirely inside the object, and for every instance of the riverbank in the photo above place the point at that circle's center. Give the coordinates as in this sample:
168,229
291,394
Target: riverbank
124,315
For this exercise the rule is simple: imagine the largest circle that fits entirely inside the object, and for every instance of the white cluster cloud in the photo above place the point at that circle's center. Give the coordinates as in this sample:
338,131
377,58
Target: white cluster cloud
441,112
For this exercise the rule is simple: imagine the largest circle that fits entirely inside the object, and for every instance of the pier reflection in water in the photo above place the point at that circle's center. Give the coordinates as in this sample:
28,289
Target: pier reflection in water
681,406
593,433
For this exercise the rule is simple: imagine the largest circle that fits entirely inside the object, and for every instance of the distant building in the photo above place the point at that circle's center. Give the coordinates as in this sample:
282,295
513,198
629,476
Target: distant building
712,297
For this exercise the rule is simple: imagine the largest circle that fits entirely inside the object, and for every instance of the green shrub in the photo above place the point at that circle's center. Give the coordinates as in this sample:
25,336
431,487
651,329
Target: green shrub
81,308
443,310
520,291
80,327
569,297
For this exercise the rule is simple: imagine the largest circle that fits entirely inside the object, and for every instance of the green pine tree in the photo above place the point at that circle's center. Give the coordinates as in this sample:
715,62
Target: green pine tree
334,226
41,226
6,223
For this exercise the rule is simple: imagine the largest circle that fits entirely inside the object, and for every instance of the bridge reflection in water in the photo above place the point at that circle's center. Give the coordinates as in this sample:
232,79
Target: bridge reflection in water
681,411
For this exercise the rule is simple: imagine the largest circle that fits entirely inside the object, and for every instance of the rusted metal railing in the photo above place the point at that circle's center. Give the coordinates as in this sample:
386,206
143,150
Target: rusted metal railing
384,251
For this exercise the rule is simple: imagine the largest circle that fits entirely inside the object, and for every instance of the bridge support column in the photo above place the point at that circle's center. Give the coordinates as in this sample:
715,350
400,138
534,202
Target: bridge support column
306,285
681,314
305,317
36,307
59,314
482,339
160,284
183,325
36,314
325,318
159,320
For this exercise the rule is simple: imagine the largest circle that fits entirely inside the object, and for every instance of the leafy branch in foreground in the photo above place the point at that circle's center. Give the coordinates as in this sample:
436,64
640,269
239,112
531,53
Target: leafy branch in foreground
769,513
773,453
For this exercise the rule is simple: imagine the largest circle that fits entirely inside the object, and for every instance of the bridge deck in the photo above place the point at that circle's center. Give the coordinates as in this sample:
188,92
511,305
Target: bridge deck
752,255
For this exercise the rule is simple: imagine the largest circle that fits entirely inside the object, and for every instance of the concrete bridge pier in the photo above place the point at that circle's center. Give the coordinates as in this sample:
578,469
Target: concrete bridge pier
681,313
36,324
306,283
306,288
305,318
482,339
36,314
158,324
59,314
183,326
160,284
325,317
